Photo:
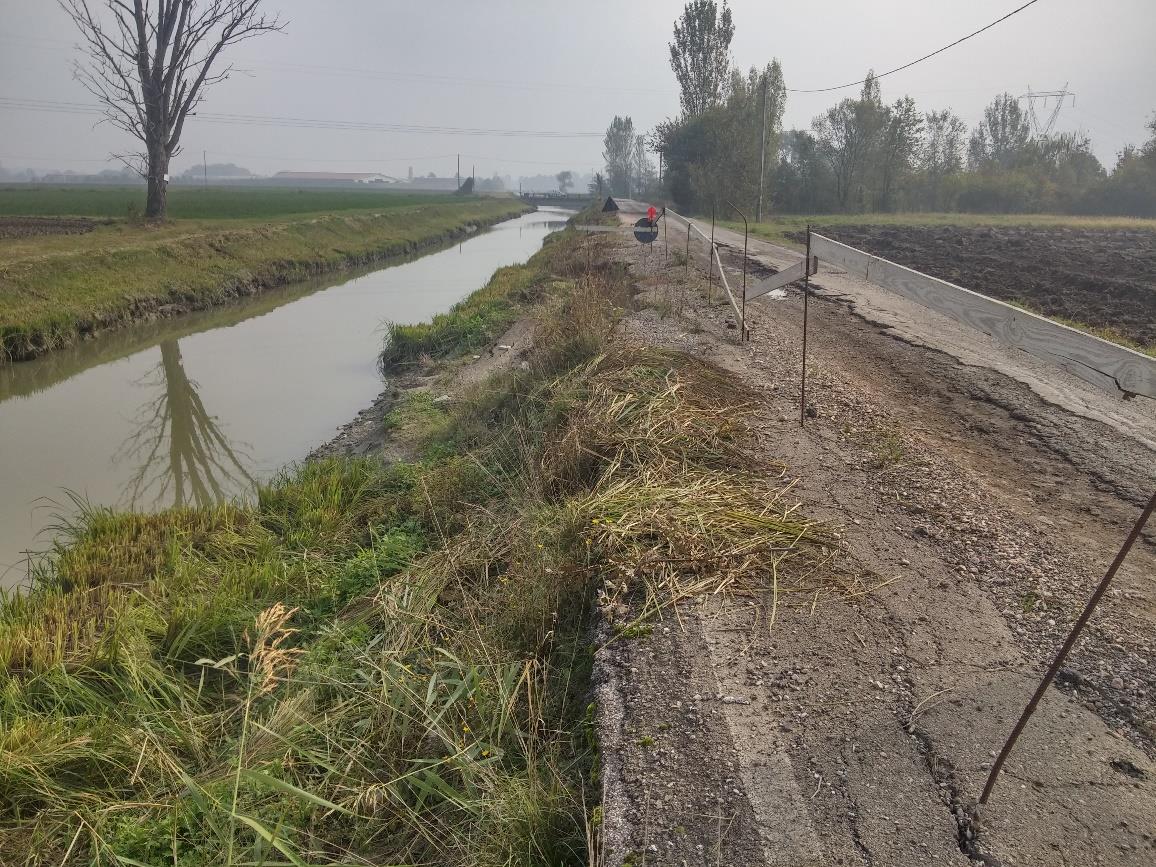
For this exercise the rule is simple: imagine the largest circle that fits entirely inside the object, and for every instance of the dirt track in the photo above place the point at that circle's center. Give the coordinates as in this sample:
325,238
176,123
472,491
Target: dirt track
981,495
27,227
986,494
1105,278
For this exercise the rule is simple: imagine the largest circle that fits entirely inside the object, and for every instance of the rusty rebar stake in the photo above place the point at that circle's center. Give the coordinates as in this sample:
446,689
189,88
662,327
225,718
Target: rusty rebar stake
745,334
1063,654
806,297
687,262
665,239
710,257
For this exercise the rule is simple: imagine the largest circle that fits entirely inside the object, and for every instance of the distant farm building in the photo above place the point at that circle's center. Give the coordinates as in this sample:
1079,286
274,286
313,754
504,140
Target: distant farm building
334,178
428,184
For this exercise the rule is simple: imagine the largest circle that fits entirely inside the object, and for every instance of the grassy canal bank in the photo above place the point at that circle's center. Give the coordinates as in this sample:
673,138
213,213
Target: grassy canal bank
62,278
387,663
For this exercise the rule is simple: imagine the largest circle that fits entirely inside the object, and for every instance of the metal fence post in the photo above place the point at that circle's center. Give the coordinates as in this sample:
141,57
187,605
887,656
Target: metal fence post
687,262
745,333
1081,621
710,256
806,297
665,239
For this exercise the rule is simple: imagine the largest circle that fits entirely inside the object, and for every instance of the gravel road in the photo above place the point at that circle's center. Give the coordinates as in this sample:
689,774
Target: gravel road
982,494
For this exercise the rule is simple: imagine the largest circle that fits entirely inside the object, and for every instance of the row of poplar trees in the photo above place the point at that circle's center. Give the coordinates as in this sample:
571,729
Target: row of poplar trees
862,154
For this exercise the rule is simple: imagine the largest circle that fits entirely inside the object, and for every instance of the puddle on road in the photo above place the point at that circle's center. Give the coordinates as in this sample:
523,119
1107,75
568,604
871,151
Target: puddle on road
202,408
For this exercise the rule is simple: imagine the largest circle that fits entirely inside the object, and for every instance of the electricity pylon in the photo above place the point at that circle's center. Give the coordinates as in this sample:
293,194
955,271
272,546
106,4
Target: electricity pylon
1043,130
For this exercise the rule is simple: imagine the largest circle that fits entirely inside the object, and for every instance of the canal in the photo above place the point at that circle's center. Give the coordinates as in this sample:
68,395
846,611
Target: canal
203,408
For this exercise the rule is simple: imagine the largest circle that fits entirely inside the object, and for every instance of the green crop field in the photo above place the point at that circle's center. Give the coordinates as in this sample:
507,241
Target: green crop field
196,203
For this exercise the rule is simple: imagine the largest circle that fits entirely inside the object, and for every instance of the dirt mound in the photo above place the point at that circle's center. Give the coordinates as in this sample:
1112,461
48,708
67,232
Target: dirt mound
1105,278
27,227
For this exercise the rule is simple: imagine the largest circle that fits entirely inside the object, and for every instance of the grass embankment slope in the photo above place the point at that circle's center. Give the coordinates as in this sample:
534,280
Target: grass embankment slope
388,664
56,288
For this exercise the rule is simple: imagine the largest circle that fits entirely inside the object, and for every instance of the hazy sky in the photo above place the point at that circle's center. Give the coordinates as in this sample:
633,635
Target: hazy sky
567,68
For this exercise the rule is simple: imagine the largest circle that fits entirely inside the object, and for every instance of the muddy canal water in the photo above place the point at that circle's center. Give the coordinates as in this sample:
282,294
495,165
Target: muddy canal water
202,408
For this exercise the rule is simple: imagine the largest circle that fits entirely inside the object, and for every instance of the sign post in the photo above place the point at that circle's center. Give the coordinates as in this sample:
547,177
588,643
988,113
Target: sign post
645,231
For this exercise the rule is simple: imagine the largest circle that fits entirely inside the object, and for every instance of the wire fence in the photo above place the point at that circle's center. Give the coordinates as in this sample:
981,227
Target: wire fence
697,240
1102,363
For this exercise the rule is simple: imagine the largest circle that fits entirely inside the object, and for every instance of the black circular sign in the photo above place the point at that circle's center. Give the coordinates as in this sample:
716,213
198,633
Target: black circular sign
645,231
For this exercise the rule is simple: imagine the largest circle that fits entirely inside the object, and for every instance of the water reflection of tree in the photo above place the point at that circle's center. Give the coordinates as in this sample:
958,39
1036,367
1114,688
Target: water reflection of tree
178,448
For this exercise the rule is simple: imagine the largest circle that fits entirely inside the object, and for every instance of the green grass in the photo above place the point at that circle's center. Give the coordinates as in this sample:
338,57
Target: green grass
55,289
388,664
778,228
469,325
195,203
477,320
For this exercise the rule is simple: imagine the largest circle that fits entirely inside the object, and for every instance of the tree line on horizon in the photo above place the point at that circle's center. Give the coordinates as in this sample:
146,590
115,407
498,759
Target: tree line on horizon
861,155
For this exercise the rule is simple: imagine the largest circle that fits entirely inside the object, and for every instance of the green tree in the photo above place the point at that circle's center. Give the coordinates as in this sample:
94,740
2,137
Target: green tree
847,136
774,104
714,157
645,177
618,151
941,155
1002,138
902,136
700,54
803,180
565,180
1072,172
1131,188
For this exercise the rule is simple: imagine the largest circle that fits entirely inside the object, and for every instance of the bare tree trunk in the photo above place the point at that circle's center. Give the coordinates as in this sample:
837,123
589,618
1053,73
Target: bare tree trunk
158,193
149,64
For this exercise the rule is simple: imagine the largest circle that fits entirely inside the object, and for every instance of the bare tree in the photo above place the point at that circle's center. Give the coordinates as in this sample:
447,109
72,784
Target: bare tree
150,63
179,449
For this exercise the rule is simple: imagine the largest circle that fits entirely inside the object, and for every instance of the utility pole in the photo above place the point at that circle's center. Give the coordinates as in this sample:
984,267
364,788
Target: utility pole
762,156
205,167
474,173
459,172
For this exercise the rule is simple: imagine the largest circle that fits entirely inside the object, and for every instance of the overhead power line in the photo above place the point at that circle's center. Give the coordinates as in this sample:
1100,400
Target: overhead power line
424,159
51,106
917,60
362,73
448,80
